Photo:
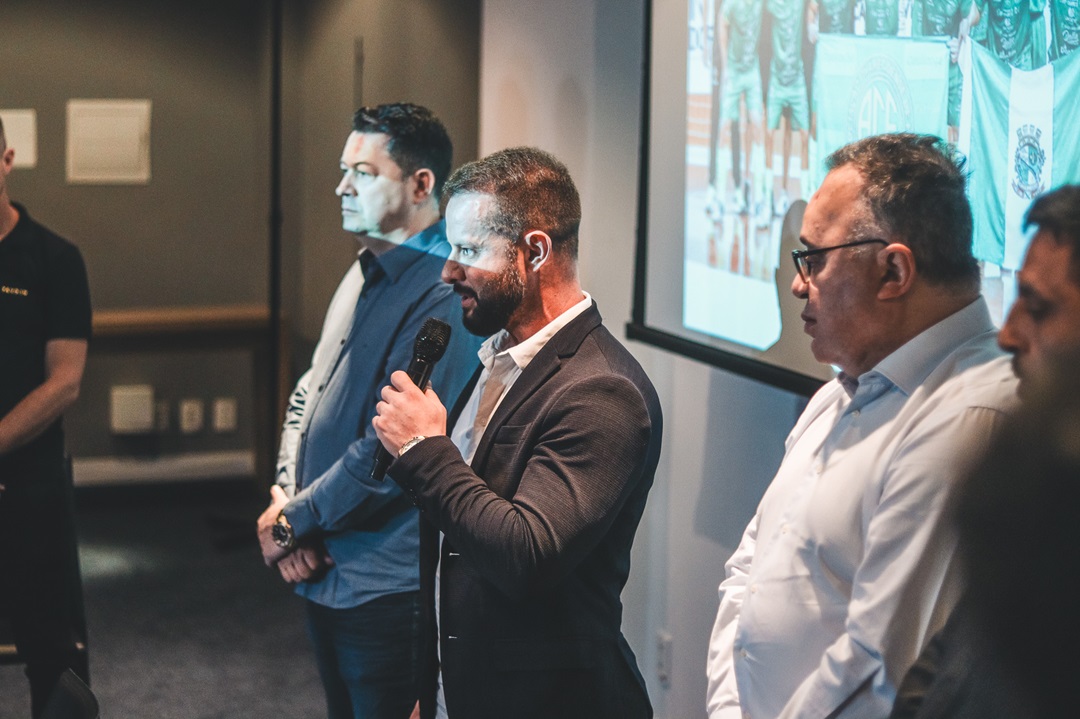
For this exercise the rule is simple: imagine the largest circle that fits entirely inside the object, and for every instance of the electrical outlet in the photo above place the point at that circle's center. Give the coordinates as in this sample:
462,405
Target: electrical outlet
191,415
224,414
131,409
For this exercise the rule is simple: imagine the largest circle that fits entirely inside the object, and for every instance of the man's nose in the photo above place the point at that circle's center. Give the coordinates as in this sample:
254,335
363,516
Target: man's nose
1009,338
451,272
799,287
344,187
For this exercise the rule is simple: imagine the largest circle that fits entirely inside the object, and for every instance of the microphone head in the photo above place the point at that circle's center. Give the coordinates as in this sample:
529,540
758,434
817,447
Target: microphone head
431,340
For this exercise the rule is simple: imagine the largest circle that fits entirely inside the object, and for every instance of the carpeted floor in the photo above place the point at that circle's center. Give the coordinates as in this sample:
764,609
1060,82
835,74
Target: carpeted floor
184,620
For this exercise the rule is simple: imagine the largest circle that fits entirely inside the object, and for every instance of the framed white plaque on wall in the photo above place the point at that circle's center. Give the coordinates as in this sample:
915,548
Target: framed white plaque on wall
20,130
108,142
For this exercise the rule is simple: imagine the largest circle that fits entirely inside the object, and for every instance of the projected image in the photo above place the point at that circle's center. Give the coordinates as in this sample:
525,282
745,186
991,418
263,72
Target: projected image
774,86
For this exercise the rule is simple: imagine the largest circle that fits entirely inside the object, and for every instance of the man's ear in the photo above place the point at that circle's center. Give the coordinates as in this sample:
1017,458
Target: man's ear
897,263
538,248
424,180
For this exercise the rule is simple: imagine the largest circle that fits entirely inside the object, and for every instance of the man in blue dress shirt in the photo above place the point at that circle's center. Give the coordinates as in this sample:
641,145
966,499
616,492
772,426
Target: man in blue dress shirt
350,544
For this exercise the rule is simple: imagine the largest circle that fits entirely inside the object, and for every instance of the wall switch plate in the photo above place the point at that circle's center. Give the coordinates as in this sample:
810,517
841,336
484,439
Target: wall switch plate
224,414
191,415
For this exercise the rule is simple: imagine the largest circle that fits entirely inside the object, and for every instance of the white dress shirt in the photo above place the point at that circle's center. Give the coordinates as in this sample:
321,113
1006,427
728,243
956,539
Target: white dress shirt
503,364
845,570
336,327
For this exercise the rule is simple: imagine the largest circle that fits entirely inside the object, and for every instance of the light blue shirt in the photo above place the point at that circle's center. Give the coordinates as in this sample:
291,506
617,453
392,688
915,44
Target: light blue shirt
846,569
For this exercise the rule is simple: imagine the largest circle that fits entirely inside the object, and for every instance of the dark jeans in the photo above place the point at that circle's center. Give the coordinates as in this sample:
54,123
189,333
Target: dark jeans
40,590
368,656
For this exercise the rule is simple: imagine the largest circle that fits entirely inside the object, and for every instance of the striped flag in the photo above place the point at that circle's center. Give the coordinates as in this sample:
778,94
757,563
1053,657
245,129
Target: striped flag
1020,141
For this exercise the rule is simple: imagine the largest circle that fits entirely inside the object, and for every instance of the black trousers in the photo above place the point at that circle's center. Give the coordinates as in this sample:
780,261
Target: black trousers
40,585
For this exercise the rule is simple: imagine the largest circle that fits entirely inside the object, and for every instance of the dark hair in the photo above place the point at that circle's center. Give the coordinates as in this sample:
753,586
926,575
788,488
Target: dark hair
1058,213
916,190
532,191
418,139
3,137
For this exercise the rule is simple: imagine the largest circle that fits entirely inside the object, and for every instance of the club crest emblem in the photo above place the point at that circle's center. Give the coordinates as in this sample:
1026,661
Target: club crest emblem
1028,163
881,100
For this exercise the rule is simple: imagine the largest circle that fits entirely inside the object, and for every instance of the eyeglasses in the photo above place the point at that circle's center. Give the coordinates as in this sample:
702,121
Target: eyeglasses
805,269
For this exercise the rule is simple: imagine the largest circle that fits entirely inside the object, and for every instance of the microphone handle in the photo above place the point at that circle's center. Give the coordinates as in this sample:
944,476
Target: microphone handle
419,372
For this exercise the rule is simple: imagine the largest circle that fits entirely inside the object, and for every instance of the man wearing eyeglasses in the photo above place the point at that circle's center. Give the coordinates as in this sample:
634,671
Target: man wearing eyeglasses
846,568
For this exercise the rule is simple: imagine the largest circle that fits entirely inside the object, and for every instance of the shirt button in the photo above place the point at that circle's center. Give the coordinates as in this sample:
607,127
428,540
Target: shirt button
742,653
753,589
321,387
856,413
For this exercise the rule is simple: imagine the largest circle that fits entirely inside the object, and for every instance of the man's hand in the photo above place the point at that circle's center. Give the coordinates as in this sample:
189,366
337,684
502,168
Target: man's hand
270,550
304,562
406,412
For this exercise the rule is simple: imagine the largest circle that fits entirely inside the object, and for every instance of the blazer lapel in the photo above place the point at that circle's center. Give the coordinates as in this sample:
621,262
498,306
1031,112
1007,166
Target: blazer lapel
546,362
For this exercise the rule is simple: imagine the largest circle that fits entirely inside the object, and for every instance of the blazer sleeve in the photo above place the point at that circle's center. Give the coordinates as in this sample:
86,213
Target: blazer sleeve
591,452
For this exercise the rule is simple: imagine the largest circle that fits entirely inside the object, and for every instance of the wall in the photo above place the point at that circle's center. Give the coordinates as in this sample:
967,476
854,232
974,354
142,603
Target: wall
341,54
198,233
204,212
565,75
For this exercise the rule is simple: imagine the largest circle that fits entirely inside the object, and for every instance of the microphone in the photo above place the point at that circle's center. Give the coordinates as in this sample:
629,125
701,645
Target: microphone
429,348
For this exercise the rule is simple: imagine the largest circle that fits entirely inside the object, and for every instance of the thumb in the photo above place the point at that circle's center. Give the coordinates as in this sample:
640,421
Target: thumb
277,494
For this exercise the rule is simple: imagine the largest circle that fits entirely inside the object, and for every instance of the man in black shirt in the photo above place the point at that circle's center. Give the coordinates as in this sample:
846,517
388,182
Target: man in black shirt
44,330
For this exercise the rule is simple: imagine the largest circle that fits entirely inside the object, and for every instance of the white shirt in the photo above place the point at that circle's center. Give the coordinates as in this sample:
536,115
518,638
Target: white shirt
336,327
503,365
845,570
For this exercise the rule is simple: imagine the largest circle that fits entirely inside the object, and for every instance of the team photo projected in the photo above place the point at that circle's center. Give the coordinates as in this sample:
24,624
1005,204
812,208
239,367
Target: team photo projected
772,87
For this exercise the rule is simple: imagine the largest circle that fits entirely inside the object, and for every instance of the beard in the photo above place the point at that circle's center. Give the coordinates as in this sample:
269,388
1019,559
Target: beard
494,302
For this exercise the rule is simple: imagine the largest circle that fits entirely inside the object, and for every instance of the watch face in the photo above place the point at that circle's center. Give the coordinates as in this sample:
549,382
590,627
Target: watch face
282,535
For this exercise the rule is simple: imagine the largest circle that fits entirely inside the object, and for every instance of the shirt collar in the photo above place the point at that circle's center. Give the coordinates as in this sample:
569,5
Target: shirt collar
395,261
910,365
524,352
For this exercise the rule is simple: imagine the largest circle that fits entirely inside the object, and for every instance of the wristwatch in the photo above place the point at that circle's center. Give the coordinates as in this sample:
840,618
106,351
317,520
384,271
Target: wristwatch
282,532
410,444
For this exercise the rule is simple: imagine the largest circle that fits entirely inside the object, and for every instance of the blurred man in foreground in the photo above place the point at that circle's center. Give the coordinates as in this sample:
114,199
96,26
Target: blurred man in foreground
960,674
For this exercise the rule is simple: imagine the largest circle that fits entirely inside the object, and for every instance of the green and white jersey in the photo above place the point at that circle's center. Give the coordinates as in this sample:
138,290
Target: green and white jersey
1064,27
882,17
787,33
836,16
1015,31
743,18
932,18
